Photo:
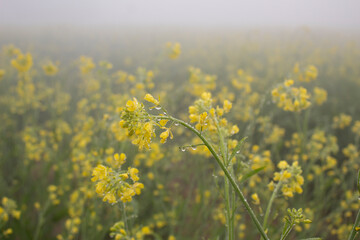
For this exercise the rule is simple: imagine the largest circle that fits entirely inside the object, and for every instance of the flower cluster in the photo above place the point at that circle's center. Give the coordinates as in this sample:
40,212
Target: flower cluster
50,69
242,81
356,128
291,98
138,124
320,95
321,145
308,74
86,64
174,50
341,121
116,185
207,117
118,232
8,208
54,192
23,62
260,159
272,132
200,82
289,179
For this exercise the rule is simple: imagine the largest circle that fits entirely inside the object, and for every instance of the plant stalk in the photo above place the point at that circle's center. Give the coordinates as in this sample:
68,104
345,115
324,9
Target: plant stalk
226,172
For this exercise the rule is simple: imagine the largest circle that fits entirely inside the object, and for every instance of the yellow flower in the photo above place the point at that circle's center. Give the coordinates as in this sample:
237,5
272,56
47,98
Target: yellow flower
206,96
227,106
137,187
163,122
148,97
132,105
133,174
283,164
86,64
8,232
52,188
110,197
99,173
37,205
289,82
234,129
255,199
164,135
150,175
120,159
146,230
16,214
320,95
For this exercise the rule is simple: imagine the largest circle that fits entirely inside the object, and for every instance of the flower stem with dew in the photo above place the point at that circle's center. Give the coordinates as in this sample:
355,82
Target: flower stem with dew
353,232
228,190
225,170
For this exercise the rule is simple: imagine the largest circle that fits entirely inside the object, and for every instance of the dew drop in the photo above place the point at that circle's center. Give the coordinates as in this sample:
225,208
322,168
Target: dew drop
238,151
193,148
176,124
183,149
157,107
150,109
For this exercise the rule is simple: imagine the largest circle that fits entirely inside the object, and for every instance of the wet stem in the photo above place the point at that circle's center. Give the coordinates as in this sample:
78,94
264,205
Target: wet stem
229,213
230,179
353,232
268,208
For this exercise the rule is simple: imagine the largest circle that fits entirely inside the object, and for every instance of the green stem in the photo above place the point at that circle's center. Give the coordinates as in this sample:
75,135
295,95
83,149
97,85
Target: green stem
225,170
228,191
41,220
353,232
268,208
286,233
125,217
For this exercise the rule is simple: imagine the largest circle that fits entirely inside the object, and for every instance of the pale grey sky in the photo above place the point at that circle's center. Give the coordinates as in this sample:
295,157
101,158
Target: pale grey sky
329,13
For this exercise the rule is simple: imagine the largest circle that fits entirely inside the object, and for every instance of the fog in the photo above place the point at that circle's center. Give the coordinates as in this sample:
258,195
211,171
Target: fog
312,13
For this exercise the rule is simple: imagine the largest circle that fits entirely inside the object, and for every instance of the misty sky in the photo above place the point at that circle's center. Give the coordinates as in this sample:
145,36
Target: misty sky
329,13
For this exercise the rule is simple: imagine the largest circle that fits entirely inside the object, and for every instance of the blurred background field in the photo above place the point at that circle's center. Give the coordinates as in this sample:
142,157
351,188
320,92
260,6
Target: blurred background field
62,87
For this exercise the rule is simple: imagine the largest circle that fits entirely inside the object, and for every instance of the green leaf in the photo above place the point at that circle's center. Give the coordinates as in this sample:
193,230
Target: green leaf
237,148
250,174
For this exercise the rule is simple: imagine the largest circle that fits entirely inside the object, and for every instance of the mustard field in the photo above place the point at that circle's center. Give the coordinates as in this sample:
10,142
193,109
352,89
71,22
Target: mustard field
196,134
